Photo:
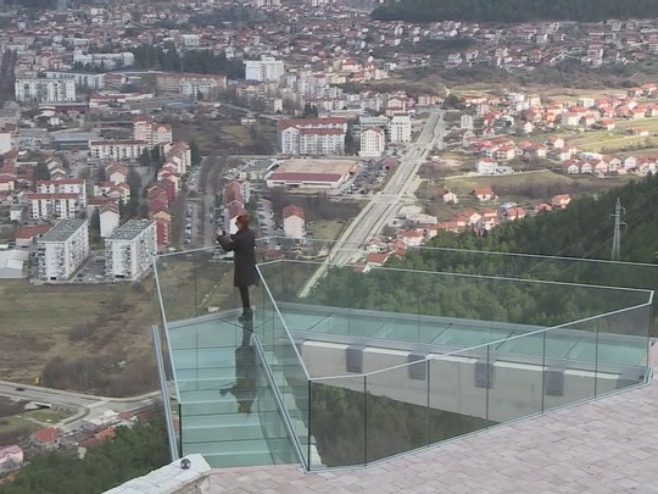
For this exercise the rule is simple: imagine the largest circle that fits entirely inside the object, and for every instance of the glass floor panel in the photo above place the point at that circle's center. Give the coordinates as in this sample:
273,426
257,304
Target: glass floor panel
227,411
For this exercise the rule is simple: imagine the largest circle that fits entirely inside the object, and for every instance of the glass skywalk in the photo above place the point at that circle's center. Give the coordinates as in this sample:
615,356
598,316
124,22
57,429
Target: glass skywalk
342,368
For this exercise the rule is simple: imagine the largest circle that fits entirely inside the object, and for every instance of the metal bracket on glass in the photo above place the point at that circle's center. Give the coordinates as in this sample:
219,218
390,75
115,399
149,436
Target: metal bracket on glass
484,373
354,358
417,370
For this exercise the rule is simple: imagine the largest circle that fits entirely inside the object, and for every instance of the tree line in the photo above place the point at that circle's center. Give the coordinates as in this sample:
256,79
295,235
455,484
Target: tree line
133,452
583,230
202,61
515,10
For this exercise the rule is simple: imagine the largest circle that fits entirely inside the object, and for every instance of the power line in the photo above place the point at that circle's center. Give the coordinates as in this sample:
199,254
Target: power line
616,237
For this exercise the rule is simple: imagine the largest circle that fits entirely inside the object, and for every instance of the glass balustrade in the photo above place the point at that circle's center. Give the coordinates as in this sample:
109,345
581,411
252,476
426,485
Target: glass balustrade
346,365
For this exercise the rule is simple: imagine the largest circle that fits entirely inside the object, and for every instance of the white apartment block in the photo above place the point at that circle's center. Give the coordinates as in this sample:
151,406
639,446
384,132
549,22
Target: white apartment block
82,80
63,249
191,84
400,129
264,70
152,133
130,249
64,186
47,206
121,149
180,155
109,60
312,136
109,219
294,223
44,90
373,142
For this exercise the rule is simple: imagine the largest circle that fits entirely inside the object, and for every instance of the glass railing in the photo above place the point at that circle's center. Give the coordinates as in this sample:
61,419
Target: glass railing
366,364
224,404
483,263
361,418
499,350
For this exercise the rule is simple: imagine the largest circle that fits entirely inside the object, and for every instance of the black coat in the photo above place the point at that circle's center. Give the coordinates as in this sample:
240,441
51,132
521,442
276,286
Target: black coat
243,245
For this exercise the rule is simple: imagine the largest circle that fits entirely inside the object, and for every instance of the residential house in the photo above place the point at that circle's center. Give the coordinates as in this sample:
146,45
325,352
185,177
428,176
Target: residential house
560,201
45,439
11,457
484,194
450,198
294,222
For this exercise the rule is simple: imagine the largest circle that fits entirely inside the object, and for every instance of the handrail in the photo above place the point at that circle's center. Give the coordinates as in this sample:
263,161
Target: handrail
283,322
483,345
279,403
163,315
169,419
442,249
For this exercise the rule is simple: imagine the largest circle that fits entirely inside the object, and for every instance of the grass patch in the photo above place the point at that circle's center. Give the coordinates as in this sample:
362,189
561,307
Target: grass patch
14,428
49,416
467,184
107,322
327,229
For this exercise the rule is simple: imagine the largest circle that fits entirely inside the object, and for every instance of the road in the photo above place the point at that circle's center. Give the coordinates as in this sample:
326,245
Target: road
383,207
81,404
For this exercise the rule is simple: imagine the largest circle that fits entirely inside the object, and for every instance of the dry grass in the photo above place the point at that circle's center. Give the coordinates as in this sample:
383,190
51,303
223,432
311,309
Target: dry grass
467,184
327,229
37,322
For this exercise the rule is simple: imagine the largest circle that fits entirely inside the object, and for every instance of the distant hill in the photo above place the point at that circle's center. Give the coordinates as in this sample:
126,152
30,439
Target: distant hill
515,10
32,4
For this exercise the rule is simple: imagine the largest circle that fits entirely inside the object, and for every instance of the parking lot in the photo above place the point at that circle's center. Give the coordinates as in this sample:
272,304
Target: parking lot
371,176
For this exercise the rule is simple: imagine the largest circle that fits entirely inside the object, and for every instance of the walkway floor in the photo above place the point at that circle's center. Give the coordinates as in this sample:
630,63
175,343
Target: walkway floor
605,446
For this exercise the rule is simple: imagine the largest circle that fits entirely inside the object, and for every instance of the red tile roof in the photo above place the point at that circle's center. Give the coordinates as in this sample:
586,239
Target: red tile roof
47,435
305,177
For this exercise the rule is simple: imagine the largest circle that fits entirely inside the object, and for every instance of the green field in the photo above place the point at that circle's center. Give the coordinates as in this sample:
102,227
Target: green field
327,229
608,142
465,185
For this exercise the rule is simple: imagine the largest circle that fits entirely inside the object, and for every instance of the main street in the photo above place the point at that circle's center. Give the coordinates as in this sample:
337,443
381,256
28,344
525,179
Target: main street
80,404
383,207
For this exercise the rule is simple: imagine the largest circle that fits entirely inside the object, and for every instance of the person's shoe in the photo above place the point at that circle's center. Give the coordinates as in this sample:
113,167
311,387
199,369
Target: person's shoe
247,315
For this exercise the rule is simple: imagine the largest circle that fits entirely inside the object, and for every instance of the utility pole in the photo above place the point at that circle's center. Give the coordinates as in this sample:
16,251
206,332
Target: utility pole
616,238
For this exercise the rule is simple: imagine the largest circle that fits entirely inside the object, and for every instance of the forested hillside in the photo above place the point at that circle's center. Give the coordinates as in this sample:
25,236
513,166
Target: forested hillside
584,229
515,10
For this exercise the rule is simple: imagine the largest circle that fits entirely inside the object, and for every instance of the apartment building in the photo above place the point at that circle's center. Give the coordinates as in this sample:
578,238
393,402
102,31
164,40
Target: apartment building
153,133
373,142
120,149
45,90
312,136
294,222
264,70
400,129
83,80
130,249
64,186
57,205
190,84
107,60
198,86
62,250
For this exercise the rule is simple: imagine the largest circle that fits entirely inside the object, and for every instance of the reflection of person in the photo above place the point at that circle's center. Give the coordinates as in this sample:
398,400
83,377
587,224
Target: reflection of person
243,244
244,389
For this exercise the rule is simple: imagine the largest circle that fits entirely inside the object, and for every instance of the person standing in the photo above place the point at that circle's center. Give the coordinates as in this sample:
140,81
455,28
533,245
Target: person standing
243,245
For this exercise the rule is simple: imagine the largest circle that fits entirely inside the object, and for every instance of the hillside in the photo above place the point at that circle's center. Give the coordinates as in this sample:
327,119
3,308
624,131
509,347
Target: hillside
584,229
515,10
